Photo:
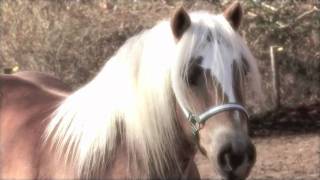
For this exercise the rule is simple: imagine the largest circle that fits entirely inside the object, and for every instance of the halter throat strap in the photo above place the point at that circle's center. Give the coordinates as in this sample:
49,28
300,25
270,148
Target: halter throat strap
197,120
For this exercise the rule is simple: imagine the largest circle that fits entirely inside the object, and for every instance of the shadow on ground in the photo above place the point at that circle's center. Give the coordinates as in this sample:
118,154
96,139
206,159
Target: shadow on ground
303,119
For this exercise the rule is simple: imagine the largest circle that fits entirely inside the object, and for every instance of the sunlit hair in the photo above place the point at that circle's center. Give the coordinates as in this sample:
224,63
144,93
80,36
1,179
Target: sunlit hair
131,102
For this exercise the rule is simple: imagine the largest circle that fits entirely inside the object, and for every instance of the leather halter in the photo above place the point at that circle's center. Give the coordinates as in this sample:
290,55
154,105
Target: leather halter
197,119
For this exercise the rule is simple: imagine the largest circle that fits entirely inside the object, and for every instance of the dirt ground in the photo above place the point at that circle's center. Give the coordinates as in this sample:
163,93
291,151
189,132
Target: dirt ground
287,143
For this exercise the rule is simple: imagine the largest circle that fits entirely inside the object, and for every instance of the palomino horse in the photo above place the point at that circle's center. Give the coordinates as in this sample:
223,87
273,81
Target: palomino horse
168,92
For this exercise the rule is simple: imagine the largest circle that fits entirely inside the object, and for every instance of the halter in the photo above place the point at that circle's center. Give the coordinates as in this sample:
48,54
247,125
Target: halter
197,120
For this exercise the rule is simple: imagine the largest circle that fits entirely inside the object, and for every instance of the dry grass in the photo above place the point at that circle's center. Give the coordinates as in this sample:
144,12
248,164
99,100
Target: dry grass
290,26
72,39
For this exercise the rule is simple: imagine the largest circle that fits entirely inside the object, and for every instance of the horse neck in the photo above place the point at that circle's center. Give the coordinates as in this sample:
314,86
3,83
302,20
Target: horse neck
186,152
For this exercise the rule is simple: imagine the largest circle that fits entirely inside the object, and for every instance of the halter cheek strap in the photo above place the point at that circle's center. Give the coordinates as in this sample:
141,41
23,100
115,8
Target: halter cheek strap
197,120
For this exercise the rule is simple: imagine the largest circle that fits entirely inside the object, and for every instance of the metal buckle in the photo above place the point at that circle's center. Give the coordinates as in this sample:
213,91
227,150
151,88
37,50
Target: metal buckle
195,123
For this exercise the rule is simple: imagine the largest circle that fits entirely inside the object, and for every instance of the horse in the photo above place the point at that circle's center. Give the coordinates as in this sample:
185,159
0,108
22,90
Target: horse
169,92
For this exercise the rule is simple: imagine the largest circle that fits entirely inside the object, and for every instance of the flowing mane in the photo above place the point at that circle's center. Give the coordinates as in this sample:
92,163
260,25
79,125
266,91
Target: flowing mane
131,102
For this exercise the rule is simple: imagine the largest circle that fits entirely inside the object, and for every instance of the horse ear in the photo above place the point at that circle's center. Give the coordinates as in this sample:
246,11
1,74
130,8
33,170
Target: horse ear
180,22
233,14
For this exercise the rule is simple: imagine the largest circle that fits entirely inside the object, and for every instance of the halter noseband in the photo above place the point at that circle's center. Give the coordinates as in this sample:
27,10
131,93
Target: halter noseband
197,120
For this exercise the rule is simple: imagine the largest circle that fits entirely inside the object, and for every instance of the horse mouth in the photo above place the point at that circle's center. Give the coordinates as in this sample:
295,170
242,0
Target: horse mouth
230,176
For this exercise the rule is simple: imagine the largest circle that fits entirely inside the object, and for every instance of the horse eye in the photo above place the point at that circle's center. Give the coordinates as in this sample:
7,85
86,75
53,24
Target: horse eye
209,37
194,71
245,66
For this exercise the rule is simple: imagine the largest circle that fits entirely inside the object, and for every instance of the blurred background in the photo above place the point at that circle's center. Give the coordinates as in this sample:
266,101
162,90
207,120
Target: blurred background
72,39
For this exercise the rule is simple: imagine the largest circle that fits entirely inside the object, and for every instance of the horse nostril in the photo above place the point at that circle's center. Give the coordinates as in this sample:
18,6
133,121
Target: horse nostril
229,160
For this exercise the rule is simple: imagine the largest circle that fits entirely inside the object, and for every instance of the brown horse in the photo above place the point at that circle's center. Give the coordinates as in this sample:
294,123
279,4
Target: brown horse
168,92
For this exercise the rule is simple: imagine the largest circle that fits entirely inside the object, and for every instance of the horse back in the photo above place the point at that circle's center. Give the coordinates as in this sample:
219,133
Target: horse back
27,101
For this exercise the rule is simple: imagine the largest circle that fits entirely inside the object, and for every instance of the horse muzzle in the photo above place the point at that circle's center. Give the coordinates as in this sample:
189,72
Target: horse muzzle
234,156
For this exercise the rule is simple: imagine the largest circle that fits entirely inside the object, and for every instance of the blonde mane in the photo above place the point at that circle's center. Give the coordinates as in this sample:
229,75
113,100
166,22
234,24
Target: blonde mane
131,102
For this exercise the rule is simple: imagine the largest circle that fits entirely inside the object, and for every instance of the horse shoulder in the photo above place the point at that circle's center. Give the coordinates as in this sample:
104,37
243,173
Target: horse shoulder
46,81
30,94
26,103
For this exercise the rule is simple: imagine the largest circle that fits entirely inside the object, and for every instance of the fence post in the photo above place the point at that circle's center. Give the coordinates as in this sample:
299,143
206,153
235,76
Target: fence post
275,79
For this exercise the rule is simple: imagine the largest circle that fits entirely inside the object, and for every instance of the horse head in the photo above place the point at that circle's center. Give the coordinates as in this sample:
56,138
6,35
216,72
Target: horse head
208,83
